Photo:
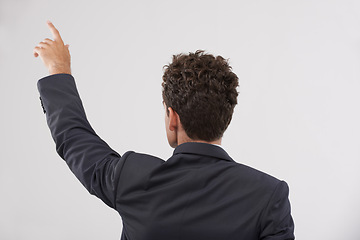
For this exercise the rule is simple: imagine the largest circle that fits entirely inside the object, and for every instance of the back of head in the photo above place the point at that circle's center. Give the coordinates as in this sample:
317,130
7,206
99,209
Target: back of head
201,88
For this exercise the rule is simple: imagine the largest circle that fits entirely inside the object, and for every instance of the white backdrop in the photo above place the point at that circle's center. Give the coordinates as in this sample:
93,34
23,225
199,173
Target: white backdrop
297,119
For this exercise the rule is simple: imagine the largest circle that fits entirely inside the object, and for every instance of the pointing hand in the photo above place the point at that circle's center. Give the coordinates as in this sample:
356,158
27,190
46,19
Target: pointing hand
54,53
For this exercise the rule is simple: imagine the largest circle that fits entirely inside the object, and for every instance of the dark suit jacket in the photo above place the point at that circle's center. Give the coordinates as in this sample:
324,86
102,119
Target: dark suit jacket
198,193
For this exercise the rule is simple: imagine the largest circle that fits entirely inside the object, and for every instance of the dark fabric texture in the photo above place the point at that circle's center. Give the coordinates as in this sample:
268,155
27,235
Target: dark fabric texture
200,192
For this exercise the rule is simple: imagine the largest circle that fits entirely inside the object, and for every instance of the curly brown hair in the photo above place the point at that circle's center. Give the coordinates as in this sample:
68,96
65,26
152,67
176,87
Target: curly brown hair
201,88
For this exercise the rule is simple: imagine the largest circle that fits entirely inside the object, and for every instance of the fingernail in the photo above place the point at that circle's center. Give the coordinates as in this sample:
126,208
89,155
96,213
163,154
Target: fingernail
48,21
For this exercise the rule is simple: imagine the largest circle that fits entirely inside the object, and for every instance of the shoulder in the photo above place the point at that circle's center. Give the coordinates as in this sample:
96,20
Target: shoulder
134,159
139,164
254,177
135,171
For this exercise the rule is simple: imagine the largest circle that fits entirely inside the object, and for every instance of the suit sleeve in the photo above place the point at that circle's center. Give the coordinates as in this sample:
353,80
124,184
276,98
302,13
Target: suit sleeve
276,221
92,161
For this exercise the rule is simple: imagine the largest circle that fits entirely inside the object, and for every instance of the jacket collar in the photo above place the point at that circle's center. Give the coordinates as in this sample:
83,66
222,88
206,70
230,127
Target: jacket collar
206,149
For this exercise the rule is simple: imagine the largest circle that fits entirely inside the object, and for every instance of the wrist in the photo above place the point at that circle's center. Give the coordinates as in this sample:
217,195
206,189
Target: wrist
59,69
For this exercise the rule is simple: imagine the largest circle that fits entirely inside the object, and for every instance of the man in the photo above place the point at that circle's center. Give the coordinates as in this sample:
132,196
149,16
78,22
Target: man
199,192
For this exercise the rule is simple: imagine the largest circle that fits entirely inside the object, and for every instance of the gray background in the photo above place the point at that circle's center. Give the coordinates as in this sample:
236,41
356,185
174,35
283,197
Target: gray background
297,119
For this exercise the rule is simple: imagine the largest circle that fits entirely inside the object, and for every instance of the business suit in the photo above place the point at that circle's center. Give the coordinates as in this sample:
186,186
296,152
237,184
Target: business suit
200,192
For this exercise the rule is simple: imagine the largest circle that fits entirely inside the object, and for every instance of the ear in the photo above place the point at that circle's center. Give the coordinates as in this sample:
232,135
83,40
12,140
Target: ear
173,119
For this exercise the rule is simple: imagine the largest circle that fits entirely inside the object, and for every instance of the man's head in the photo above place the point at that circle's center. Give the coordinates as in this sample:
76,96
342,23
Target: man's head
200,90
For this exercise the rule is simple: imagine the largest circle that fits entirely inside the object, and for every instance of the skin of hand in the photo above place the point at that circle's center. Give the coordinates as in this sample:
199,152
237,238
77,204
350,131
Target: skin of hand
54,53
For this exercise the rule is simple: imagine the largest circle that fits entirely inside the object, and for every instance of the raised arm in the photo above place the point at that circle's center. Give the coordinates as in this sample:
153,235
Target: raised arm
93,162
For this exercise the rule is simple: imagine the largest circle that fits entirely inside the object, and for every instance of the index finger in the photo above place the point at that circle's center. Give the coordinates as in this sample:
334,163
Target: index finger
54,31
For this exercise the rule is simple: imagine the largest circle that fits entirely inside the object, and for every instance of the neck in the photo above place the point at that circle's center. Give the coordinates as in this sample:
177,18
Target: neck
187,139
181,137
